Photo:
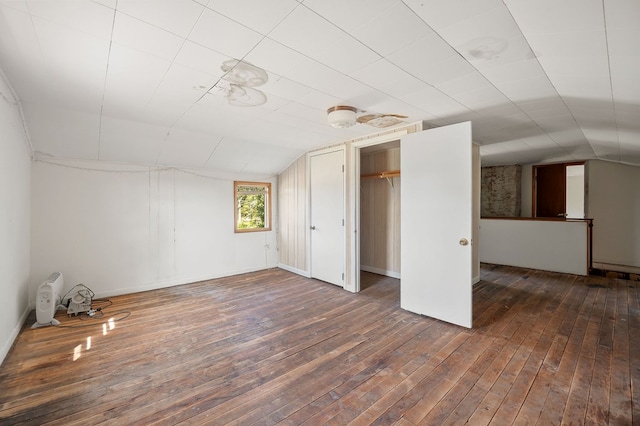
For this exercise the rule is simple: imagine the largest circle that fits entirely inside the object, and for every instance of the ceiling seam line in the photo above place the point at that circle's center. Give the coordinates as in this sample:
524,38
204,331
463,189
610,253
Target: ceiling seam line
104,86
381,57
560,97
613,102
184,41
515,104
264,37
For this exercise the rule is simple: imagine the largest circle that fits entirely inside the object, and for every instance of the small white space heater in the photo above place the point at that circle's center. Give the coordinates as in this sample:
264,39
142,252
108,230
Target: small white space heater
48,299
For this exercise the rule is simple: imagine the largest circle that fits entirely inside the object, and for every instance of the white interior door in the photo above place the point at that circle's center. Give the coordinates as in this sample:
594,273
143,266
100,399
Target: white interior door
327,229
437,213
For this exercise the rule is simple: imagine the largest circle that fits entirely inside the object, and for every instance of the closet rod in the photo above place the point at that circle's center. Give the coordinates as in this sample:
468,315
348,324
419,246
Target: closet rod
382,175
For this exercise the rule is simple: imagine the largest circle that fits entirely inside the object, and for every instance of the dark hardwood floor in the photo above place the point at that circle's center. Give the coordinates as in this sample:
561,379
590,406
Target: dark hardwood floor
273,347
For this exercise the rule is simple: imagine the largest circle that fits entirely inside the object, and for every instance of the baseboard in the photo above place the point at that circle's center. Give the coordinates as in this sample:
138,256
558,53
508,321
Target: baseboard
14,333
386,273
170,283
305,274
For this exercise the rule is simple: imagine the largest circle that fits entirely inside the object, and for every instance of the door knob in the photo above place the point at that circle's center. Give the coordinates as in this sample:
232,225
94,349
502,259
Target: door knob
313,228
463,241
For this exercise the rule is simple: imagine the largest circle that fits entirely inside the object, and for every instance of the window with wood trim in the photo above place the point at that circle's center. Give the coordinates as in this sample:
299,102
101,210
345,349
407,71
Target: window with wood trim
252,206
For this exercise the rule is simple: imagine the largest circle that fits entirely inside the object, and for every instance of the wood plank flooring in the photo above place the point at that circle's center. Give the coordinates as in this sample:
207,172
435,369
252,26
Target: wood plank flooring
275,348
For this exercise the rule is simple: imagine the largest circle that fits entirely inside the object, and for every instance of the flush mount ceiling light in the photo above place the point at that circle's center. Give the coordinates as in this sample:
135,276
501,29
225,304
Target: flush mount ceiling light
341,116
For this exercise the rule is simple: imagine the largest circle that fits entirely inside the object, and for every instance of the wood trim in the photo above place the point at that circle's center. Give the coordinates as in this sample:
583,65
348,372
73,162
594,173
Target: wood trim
268,202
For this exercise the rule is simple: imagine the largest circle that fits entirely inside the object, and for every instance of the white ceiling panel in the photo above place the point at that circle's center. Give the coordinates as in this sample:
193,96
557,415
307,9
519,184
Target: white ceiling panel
434,102
306,32
200,58
350,15
382,73
183,148
61,132
485,34
87,17
275,57
262,16
182,83
527,89
436,63
126,89
467,83
319,100
111,4
146,38
153,82
223,35
127,141
569,44
18,5
314,74
441,14
345,54
551,16
76,72
175,16
570,79
624,78
287,89
230,155
407,26
482,98
513,71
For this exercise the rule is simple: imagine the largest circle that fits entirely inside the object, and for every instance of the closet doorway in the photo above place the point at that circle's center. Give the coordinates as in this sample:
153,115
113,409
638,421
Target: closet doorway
380,186
437,249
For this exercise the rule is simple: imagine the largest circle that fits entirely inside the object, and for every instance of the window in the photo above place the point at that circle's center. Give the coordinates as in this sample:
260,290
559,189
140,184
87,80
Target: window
252,206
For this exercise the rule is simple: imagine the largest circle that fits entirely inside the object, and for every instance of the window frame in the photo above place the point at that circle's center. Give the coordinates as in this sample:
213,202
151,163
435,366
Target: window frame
267,207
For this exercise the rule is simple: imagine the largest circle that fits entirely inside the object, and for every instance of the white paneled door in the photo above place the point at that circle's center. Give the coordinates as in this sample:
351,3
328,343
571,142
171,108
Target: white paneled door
327,231
436,216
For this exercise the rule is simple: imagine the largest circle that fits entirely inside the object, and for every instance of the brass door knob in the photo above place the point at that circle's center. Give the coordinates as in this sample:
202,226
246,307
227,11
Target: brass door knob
463,241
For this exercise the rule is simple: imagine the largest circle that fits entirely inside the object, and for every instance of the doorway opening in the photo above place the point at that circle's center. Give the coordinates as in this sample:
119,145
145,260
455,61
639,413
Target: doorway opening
559,190
380,186
374,152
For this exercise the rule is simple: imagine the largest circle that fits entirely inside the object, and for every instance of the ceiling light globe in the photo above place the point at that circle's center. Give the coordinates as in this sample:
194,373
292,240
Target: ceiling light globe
341,116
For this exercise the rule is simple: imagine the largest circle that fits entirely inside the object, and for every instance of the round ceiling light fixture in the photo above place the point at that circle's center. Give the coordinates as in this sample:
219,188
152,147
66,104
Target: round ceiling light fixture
341,116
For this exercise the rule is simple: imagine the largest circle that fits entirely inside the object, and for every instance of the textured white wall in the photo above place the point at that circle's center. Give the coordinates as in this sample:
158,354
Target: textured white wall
119,229
15,218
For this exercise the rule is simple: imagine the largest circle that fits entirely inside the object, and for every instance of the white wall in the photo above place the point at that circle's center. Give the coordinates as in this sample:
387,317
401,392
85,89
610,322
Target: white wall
15,219
614,204
120,229
546,245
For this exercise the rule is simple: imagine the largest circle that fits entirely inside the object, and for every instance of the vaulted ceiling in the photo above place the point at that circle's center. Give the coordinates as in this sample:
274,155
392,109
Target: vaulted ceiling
244,85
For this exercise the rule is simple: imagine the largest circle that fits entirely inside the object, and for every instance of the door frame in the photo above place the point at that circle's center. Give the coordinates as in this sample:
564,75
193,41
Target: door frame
344,205
534,181
352,283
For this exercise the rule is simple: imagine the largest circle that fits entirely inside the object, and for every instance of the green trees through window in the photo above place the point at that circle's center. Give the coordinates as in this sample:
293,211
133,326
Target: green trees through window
253,206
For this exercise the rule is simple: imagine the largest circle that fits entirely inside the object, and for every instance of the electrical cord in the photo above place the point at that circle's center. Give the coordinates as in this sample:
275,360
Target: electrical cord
86,290
93,314
102,301
125,314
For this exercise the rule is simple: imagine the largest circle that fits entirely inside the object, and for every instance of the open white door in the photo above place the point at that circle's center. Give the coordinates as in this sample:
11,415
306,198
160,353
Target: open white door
327,233
437,213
